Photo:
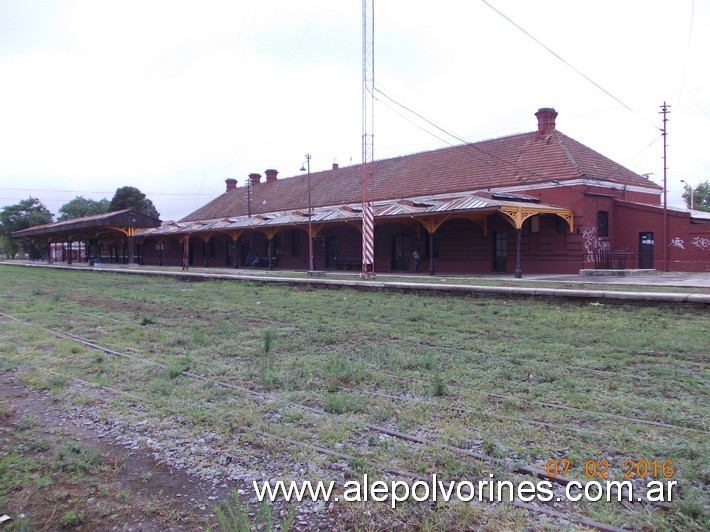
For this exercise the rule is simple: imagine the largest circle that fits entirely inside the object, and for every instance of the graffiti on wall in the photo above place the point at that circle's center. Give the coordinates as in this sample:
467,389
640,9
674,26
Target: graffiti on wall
592,243
701,242
698,241
677,242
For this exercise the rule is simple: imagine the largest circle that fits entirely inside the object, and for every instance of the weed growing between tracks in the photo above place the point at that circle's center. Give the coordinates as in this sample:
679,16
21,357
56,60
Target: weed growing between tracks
49,480
483,375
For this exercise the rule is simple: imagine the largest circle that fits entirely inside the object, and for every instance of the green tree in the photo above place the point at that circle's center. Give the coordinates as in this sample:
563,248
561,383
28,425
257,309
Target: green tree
700,196
26,213
132,198
81,206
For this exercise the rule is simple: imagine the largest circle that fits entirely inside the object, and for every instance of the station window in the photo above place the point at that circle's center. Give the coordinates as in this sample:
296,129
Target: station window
603,223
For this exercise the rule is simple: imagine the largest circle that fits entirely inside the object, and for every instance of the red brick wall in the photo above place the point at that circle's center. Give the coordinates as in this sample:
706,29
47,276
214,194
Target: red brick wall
463,247
688,245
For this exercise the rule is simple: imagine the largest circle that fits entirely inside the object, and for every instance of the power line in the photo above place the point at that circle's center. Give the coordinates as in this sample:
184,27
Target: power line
269,99
457,137
687,49
590,80
408,109
103,192
415,124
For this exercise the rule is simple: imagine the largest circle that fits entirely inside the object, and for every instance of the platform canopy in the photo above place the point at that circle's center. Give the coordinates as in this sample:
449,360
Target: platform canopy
114,224
430,211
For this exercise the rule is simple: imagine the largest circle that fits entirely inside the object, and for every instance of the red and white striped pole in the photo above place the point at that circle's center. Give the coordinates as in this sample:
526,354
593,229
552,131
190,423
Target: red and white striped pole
186,252
368,170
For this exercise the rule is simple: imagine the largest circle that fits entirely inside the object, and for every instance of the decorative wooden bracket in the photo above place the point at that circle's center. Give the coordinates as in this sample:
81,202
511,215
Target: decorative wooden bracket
234,234
128,231
517,215
567,216
357,224
433,223
270,232
205,237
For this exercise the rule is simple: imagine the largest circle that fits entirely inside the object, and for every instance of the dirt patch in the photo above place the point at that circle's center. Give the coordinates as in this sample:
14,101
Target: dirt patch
144,479
126,490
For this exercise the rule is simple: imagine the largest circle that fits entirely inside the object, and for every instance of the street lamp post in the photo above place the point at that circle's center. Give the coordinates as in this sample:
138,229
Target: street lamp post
307,165
692,198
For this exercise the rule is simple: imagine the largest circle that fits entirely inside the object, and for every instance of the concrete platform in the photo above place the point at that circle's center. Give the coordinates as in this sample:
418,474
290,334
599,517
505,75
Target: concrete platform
692,288
617,273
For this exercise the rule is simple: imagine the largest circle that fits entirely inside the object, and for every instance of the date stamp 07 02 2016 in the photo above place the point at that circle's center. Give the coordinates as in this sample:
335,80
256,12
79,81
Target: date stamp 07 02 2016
600,469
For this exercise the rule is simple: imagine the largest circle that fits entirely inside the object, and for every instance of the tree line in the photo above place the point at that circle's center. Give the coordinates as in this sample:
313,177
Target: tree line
32,212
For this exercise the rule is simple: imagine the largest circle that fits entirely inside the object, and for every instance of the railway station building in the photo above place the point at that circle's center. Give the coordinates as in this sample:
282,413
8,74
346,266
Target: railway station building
537,202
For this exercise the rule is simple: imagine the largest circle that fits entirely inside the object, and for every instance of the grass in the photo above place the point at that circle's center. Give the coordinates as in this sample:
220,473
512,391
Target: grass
39,477
476,373
50,481
76,458
341,403
233,515
72,519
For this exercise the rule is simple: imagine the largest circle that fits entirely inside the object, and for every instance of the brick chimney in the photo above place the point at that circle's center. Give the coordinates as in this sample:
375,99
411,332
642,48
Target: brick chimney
254,179
270,175
231,183
546,120
335,166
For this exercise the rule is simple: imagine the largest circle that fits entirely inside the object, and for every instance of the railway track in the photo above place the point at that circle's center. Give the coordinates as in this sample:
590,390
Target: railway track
267,396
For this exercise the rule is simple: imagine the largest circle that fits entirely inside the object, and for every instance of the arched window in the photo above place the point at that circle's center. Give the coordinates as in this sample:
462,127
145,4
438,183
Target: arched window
602,223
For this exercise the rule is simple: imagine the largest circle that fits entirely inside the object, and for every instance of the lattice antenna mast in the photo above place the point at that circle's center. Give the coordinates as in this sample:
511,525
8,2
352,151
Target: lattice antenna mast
368,167
665,111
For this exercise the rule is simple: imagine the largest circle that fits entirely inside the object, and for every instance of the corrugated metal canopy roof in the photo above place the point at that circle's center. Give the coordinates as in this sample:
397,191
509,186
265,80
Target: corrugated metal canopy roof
89,224
404,208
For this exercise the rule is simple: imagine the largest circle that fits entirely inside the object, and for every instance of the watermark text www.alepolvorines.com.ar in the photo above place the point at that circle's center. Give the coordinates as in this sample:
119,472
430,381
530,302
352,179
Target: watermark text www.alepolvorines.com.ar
434,489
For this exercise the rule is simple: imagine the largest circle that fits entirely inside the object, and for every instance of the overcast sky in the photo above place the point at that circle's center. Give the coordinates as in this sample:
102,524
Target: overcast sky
176,96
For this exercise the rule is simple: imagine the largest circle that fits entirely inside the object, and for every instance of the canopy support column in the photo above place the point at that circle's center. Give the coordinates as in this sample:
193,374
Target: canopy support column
271,261
432,225
234,235
185,252
517,215
518,269
270,234
131,250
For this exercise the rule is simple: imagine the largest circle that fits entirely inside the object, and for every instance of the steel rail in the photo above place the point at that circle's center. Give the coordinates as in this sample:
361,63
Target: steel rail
402,473
527,470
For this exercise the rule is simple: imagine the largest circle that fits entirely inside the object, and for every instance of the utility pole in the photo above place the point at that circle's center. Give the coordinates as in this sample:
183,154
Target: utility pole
249,197
311,264
691,192
368,170
665,112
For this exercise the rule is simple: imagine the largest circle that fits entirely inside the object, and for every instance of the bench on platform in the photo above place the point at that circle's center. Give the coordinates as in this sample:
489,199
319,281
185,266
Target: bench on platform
349,263
264,263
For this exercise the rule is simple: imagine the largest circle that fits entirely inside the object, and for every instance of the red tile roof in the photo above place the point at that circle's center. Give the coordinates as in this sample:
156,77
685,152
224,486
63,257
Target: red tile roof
517,160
